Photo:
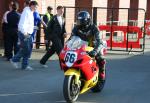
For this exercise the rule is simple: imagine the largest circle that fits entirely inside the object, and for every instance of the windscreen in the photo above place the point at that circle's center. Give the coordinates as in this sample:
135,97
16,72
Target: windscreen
75,43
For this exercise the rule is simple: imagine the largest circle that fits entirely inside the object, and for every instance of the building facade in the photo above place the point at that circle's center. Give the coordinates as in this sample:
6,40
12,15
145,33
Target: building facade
70,13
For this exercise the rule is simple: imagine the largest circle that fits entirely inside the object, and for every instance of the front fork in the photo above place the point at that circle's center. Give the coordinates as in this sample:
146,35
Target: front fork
76,73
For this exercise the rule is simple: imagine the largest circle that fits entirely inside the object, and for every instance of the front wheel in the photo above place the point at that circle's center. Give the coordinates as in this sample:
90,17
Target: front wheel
101,81
70,89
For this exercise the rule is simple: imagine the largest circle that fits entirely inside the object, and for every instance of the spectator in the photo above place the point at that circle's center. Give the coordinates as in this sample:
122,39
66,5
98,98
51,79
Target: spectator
26,27
26,3
37,21
4,28
46,18
57,32
12,31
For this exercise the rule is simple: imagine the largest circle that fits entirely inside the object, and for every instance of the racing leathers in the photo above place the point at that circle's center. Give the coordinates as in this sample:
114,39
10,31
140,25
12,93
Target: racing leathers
91,34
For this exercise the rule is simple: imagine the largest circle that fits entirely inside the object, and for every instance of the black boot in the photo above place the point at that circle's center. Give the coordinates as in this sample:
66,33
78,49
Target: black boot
101,64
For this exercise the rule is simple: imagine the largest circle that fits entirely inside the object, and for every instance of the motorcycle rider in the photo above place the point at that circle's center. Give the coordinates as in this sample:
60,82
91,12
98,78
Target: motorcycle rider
87,31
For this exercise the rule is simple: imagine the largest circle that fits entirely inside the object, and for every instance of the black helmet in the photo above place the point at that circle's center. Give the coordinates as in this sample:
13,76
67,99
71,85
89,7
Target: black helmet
83,19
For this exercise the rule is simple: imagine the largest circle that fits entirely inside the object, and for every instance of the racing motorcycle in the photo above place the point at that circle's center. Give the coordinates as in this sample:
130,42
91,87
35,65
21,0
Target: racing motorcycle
82,72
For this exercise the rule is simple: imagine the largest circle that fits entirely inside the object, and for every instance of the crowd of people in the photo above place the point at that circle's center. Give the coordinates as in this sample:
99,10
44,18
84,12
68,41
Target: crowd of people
20,31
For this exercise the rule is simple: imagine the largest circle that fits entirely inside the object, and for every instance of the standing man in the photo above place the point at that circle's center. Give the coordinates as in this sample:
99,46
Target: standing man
57,32
4,29
37,21
46,18
26,3
12,31
26,27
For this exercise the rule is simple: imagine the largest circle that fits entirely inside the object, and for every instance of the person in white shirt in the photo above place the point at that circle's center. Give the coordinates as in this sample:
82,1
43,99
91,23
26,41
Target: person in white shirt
26,27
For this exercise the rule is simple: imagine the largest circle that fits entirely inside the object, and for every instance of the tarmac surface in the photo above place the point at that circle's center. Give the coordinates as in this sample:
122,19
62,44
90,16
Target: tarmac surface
128,81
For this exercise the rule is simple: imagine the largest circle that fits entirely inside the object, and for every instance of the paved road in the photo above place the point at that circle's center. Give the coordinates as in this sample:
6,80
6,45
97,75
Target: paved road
128,81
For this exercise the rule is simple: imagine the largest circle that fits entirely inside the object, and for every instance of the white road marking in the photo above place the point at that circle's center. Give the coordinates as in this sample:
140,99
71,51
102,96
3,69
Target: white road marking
16,94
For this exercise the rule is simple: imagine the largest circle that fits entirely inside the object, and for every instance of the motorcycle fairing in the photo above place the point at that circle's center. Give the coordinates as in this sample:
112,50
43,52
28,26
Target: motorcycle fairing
87,64
88,84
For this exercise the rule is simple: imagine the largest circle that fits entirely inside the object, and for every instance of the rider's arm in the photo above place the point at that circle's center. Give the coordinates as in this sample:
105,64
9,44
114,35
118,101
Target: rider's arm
97,39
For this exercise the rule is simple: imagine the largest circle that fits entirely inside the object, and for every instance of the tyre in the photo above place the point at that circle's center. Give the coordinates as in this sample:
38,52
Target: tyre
70,89
101,82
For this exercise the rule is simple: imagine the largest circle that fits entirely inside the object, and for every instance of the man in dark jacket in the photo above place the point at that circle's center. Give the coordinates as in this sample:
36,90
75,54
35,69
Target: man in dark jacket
12,31
5,28
57,32
46,18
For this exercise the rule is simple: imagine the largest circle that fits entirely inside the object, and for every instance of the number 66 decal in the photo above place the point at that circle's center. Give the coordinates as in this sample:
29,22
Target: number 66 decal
70,58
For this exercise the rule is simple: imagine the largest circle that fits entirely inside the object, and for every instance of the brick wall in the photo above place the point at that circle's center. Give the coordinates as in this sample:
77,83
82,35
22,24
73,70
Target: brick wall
148,10
123,13
113,4
3,8
53,3
85,3
102,14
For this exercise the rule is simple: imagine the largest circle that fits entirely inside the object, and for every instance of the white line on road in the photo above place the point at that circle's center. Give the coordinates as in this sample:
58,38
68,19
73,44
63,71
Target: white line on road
76,102
16,94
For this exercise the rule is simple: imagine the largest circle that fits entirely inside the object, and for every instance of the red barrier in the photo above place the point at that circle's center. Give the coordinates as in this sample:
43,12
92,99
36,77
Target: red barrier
125,30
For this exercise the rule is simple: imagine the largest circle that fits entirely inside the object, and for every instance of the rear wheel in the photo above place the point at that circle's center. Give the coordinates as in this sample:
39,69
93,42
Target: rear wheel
70,89
101,81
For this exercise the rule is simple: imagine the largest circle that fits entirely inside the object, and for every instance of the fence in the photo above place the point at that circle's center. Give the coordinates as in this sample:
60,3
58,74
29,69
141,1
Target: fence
121,32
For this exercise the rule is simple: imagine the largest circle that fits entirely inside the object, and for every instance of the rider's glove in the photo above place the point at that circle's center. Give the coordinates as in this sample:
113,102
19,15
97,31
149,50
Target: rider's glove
92,53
